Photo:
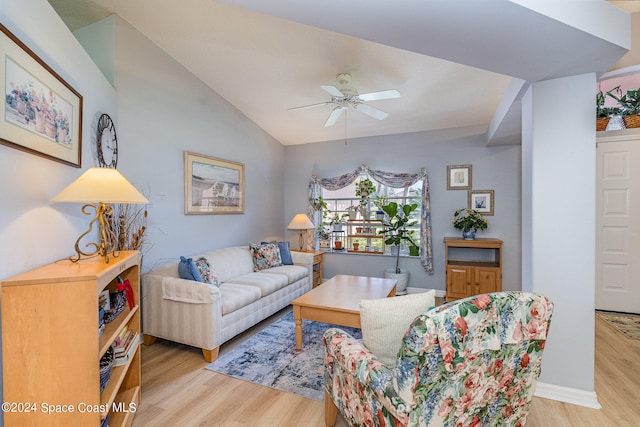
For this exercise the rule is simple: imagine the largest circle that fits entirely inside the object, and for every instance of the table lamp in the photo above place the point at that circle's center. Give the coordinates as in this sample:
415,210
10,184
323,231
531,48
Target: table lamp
300,222
98,188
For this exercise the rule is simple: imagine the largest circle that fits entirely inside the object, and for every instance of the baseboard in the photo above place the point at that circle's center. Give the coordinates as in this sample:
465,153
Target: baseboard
567,395
439,293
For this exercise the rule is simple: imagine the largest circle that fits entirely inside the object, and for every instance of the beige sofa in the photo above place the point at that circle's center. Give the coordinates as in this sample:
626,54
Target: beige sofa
205,315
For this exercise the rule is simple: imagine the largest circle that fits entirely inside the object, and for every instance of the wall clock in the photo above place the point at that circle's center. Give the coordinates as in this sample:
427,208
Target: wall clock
107,142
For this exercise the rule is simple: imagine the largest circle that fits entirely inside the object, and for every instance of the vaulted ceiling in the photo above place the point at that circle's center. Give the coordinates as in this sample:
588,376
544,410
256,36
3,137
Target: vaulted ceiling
452,62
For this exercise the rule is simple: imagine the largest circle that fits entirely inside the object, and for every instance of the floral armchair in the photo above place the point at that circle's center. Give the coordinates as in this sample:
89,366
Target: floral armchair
471,362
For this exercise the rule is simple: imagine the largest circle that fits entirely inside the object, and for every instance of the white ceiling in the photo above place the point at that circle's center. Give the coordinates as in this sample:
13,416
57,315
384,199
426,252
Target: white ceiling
266,57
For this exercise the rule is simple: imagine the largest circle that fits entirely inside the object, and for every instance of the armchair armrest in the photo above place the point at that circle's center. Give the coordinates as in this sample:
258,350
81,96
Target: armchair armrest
353,372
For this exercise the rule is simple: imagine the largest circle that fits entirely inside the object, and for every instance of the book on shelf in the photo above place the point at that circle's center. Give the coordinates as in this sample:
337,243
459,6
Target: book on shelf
122,358
121,344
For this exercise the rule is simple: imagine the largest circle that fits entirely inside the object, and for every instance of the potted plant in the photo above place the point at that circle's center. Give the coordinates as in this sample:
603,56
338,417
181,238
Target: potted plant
603,114
364,190
629,105
379,201
469,221
352,211
337,221
395,232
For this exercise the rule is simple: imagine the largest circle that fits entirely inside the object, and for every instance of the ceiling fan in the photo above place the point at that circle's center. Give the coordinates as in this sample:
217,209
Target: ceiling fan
345,96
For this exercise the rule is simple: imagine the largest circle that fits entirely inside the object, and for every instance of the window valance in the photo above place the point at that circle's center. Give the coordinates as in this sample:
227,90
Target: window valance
390,179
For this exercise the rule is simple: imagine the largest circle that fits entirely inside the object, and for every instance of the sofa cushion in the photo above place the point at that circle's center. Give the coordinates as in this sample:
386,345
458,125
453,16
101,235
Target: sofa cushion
188,270
285,251
265,256
236,296
384,322
293,272
230,262
267,283
207,273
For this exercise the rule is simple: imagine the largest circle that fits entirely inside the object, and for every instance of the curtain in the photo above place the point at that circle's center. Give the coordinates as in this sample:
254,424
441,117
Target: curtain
390,179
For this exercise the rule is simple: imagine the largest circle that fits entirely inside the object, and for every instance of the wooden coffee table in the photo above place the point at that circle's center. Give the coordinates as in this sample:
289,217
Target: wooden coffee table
337,301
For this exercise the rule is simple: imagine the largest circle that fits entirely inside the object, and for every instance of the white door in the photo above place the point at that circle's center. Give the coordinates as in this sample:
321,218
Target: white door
618,224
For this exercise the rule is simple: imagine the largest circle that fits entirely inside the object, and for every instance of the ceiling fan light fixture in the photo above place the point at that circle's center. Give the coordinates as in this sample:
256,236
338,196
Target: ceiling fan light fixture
345,96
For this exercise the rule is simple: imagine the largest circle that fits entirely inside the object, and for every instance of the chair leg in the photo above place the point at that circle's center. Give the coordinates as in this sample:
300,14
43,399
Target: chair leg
210,355
330,410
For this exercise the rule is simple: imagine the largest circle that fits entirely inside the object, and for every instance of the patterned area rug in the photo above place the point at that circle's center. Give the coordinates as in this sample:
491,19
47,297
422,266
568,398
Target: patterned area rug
628,324
270,358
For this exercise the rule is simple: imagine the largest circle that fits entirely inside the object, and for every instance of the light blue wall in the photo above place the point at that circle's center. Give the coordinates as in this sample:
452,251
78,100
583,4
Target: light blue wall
496,168
163,111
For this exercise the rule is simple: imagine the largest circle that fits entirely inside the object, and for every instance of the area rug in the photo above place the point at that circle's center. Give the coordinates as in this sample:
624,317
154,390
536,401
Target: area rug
270,358
628,324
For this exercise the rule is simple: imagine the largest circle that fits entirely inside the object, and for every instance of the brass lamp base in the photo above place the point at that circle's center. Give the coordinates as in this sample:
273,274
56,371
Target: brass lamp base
106,238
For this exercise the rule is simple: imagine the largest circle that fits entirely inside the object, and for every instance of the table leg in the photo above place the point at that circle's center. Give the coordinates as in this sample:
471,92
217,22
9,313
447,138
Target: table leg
298,319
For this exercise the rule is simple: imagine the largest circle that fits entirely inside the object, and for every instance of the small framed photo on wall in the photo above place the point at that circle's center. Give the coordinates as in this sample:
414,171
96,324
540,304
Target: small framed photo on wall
481,201
459,177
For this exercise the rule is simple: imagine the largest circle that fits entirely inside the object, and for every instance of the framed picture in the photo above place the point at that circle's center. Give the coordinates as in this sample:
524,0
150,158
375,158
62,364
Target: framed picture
212,185
481,201
459,177
41,113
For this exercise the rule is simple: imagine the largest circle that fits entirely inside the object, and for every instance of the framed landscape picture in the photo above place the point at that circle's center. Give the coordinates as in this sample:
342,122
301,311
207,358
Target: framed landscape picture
459,177
212,185
40,113
481,201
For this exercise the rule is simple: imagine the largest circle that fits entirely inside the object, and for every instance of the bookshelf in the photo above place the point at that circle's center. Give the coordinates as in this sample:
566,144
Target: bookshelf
51,347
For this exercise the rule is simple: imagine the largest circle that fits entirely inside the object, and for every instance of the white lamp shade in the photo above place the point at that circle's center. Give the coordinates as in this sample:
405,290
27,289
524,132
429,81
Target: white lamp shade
96,185
300,222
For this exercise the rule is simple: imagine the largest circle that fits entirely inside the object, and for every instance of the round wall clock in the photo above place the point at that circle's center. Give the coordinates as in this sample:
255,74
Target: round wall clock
107,142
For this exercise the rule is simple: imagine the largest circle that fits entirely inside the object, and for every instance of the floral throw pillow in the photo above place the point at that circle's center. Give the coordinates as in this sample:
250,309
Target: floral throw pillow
208,274
265,256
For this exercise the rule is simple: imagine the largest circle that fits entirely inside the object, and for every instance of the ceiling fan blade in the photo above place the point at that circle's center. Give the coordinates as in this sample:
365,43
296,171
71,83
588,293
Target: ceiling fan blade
383,94
373,112
309,106
333,117
333,91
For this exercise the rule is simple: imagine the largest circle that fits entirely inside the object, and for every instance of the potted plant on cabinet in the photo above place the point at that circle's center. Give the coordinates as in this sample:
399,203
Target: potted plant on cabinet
395,232
469,221
629,105
604,114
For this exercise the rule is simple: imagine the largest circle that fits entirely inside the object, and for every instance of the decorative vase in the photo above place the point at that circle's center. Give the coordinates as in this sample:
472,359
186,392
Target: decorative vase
469,235
402,279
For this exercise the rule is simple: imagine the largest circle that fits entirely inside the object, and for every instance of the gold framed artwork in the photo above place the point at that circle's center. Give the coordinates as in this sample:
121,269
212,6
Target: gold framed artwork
41,113
482,201
212,185
459,177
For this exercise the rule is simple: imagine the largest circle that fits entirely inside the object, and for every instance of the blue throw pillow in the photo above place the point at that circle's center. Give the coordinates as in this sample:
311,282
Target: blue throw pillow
285,252
188,270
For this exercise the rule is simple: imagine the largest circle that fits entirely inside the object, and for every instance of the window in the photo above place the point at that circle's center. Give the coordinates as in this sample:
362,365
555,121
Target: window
339,201
339,194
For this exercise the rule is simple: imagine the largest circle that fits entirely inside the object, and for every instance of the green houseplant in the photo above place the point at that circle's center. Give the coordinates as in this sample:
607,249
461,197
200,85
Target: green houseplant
469,221
629,105
603,114
396,231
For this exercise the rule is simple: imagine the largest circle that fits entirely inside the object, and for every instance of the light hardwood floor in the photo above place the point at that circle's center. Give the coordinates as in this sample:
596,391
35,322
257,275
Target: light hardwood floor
178,390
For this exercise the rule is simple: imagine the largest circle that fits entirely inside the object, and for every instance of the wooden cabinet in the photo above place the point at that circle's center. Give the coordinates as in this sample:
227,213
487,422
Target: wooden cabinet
317,267
51,347
473,267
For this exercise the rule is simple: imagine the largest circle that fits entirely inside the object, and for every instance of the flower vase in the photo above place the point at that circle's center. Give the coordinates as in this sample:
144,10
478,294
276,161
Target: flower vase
469,235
